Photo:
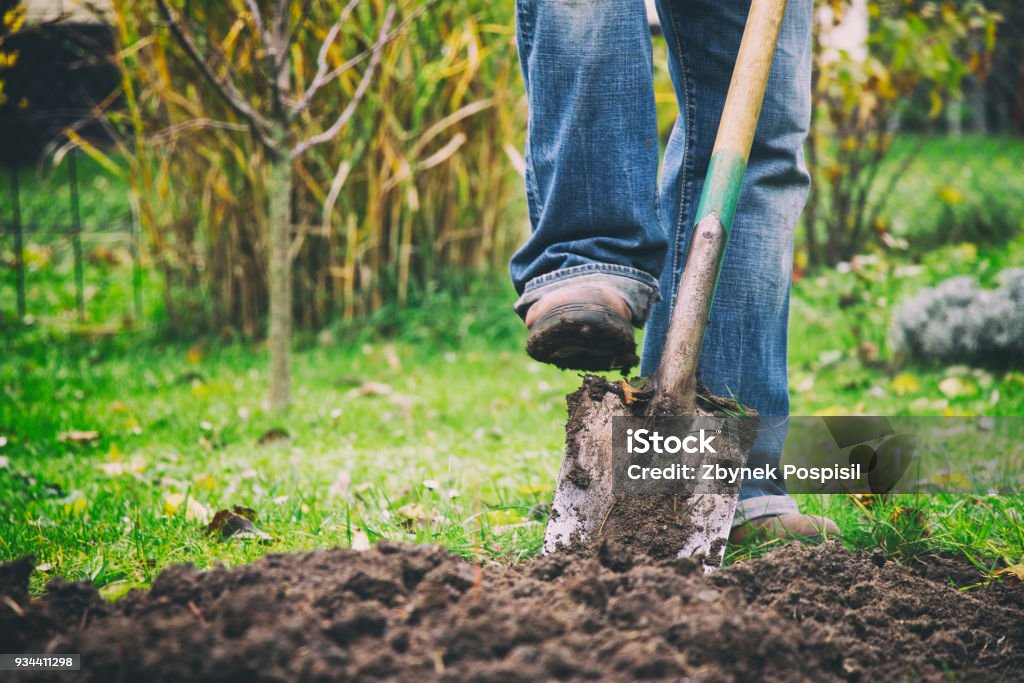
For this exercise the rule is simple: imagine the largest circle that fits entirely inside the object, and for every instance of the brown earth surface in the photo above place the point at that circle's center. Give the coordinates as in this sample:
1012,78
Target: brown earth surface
406,612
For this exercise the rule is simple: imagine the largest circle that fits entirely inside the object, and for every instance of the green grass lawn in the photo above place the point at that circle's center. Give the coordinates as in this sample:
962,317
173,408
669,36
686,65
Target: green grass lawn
446,433
435,427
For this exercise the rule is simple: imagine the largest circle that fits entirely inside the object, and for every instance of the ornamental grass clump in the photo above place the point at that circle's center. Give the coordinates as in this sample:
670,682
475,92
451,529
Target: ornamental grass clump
960,322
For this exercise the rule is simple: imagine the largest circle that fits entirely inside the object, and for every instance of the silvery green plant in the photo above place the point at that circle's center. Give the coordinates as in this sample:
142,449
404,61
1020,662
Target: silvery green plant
960,322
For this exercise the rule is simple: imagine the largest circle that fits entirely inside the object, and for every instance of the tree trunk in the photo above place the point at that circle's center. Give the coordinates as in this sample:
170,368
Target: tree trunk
279,192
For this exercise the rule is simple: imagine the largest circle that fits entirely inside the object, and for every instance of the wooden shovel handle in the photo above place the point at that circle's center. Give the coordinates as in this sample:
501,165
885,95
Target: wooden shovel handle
675,379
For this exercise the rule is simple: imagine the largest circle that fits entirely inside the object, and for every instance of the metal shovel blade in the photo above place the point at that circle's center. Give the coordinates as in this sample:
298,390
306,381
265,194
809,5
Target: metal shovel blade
587,510
583,496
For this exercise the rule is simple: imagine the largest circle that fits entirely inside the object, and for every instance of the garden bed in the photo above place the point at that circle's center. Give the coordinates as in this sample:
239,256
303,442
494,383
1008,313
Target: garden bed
414,612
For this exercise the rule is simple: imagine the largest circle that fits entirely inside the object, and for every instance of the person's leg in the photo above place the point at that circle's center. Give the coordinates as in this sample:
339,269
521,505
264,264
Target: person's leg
744,352
591,160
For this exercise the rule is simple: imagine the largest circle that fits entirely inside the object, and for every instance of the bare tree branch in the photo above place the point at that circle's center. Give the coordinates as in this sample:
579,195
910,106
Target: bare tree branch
277,45
226,88
321,78
307,97
171,132
257,18
357,96
340,176
281,18
277,57
303,15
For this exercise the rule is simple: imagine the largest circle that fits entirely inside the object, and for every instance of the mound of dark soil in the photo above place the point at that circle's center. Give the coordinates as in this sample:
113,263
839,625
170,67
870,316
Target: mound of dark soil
403,612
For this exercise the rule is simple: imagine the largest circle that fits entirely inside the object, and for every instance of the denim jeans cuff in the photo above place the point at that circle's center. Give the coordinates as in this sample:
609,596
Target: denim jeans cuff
763,506
638,289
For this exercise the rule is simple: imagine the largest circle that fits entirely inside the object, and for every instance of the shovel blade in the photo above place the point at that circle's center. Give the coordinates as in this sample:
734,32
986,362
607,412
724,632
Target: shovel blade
715,512
586,510
583,496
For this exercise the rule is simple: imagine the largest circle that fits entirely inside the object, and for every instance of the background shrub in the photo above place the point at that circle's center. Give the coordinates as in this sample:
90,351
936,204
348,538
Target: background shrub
959,322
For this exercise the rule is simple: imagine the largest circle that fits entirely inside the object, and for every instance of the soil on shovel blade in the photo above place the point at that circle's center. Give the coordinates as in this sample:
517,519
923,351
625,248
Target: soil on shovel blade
656,526
405,612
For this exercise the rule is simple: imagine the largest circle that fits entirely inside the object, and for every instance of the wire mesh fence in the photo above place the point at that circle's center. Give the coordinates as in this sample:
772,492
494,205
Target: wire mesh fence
69,247
64,261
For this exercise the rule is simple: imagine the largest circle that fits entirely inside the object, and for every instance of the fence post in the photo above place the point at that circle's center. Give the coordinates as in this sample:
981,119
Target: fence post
19,243
76,234
136,256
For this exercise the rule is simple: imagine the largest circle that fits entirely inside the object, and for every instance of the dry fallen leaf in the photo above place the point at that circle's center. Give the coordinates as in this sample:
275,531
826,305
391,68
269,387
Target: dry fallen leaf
204,482
904,384
627,391
370,389
339,489
956,387
172,503
274,435
118,468
867,499
76,506
415,514
194,510
951,480
78,436
114,469
236,523
360,541
1016,571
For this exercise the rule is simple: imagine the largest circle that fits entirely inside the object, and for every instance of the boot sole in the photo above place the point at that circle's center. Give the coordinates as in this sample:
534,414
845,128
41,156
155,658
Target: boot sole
583,336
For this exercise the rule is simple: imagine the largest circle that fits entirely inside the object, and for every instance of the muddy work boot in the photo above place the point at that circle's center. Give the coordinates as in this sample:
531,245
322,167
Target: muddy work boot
582,328
810,528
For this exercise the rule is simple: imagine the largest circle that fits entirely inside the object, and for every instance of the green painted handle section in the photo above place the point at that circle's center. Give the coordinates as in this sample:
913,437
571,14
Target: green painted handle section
722,187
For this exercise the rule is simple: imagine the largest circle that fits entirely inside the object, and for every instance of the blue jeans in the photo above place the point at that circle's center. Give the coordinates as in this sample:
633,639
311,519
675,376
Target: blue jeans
600,211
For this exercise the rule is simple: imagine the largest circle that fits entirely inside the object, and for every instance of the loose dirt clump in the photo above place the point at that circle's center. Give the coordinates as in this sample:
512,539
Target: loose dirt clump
657,526
405,612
